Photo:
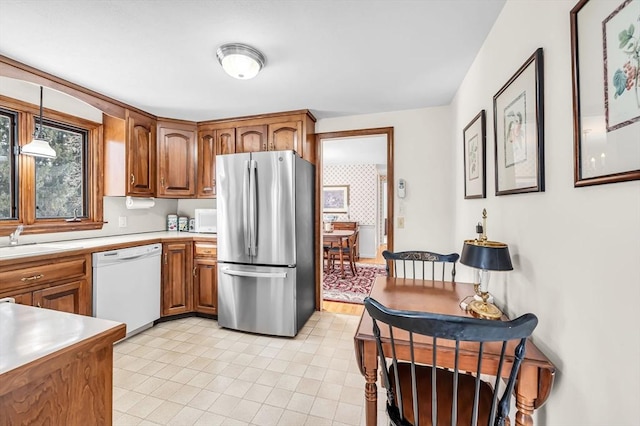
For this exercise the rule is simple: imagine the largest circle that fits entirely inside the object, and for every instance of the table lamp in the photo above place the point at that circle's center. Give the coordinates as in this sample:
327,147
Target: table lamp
486,256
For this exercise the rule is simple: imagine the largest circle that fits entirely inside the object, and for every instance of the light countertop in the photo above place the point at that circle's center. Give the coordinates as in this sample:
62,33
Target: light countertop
28,333
95,244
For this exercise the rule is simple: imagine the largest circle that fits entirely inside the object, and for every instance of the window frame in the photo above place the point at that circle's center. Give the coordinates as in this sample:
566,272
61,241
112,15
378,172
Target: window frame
28,115
13,159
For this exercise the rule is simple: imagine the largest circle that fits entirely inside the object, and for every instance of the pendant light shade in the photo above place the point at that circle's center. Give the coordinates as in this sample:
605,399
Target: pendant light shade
39,146
240,61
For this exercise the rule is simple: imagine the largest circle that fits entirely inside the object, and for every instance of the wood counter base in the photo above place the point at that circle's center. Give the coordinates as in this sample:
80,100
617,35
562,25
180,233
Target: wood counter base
71,386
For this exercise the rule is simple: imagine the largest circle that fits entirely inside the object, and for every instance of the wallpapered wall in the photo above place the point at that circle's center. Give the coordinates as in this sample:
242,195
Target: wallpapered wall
362,180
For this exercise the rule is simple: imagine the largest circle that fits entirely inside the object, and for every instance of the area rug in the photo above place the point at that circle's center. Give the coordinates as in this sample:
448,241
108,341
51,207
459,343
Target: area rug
350,289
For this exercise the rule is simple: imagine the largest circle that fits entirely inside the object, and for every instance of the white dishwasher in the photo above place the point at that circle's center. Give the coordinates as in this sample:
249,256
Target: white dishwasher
126,286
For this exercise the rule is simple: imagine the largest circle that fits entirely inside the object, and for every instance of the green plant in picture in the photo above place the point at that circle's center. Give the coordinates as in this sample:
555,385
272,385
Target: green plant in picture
628,77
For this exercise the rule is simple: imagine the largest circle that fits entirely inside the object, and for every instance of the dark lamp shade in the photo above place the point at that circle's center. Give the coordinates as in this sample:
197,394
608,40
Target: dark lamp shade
486,255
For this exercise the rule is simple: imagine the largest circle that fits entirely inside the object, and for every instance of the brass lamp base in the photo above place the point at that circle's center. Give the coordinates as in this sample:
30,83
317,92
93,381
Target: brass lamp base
484,310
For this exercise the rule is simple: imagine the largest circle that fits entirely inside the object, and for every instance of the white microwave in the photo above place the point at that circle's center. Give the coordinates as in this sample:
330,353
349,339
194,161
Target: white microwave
206,221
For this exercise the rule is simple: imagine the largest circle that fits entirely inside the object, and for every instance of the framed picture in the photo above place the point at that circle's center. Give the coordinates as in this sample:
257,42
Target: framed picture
605,53
518,124
474,137
335,199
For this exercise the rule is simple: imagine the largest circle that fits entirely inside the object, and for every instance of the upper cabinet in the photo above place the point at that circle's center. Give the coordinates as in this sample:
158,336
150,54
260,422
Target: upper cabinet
287,135
180,161
129,155
225,141
269,132
141,155
176,159
251,138
212,142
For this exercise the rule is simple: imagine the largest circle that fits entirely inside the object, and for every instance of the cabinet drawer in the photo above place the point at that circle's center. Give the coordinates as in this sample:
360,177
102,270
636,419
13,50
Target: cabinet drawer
30,274
205,250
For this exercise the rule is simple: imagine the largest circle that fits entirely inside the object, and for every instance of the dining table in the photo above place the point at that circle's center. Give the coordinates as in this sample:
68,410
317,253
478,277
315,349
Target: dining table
536,374
337,238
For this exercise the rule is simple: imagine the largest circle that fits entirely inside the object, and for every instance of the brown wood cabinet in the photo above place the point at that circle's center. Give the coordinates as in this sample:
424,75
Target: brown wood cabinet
177,285
176,174
212,142
287,135
180,161
269,132
141,155
62,284
251,138
67,376
350,226
205,279
62,297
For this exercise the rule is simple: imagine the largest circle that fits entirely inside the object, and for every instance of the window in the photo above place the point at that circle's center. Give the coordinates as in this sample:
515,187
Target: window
60,182
8,165
49,195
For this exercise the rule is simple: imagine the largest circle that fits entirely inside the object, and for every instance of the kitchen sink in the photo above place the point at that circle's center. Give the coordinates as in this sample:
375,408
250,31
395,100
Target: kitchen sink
33,249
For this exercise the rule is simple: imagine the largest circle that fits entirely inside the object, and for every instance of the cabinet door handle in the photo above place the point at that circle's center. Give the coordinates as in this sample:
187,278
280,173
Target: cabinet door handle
38,305
162,182
194,271
208,188
165,258
33,278
133,179
264,146
271,147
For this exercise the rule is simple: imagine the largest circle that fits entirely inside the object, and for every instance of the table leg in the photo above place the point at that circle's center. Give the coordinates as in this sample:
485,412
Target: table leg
370,387
526,394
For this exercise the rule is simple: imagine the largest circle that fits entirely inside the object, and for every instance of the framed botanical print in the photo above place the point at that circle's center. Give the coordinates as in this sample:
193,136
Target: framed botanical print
518,124
474,137
605,53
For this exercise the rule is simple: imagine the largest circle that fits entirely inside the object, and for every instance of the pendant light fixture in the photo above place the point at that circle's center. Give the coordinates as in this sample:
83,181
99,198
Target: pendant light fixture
39,146
240,61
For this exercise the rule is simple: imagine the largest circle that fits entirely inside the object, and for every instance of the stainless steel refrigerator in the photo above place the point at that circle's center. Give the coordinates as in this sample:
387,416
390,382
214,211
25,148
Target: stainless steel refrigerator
266,264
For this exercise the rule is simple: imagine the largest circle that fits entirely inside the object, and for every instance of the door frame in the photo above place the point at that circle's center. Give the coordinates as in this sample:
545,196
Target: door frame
388,132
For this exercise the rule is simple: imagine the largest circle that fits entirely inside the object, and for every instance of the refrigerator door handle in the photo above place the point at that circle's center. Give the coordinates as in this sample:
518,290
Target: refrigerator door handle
233,272
253,209
245,208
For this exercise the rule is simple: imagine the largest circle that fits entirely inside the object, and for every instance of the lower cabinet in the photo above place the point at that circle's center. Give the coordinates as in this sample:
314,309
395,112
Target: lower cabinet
177,286
189,278
65,297
59,283
205,276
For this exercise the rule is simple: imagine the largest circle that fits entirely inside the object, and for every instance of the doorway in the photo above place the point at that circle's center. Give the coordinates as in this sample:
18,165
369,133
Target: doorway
345,155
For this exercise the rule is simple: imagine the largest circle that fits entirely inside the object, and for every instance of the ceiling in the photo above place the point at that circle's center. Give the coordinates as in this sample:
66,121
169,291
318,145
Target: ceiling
333,57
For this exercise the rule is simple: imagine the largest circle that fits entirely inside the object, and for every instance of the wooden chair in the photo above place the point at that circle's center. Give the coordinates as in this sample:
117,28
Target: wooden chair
437,396
348,252
325,255
416,264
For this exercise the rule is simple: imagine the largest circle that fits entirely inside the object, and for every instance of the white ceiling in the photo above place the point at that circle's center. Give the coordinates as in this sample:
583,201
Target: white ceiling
334,57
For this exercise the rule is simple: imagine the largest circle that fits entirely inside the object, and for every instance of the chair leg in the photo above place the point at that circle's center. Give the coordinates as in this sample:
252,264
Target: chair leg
352,264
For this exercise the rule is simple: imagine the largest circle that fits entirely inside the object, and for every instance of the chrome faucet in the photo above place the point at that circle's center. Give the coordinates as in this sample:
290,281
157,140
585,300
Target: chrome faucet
13,238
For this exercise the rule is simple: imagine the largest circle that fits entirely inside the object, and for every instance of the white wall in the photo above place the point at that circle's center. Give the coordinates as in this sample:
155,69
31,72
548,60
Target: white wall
423,156
576,251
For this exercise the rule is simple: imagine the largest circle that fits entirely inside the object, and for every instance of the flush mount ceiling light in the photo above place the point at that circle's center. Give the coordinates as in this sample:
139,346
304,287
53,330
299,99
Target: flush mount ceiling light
240,61
39,146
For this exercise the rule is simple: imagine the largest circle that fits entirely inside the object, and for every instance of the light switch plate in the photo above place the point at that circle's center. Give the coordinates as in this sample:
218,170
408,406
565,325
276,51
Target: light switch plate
400,222
122,221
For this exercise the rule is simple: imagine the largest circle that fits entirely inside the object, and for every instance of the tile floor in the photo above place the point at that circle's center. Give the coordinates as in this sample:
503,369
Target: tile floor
192,372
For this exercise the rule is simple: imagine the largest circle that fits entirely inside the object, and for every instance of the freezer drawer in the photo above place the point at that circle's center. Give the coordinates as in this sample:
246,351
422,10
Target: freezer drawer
258,299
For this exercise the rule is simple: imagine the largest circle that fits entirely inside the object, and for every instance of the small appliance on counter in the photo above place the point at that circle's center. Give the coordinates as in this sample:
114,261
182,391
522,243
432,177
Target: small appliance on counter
205,221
